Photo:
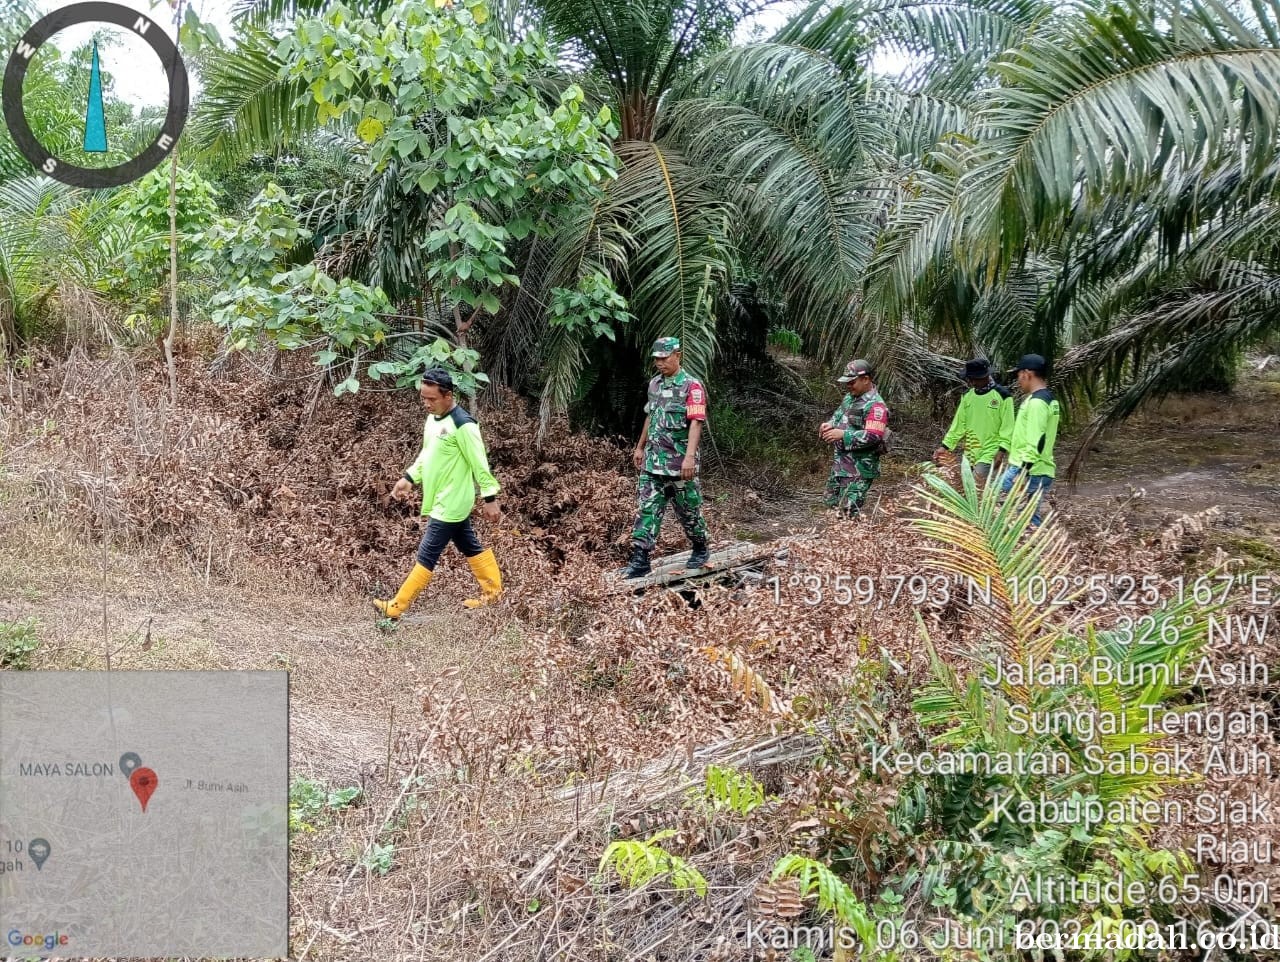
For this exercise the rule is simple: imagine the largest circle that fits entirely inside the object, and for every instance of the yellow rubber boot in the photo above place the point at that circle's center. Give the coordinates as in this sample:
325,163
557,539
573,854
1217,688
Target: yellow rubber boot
418,579
485,567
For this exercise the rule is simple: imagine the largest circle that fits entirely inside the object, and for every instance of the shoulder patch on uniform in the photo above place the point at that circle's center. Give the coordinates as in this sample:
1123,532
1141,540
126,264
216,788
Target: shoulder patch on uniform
877,418
695,405
460,416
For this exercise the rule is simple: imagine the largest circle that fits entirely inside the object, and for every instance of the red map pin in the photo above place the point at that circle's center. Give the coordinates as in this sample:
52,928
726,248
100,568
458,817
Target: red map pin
143,782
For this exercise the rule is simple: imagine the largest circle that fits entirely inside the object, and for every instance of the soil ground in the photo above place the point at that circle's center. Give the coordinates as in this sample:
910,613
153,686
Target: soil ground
1193,453
354,688
346,676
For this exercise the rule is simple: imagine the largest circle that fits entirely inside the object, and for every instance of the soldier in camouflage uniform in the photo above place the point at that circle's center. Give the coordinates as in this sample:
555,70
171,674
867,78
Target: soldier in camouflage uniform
667,458
858,430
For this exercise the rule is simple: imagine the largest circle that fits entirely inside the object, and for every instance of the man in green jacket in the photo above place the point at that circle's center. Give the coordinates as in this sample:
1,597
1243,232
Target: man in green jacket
983,423
452,463
1034,432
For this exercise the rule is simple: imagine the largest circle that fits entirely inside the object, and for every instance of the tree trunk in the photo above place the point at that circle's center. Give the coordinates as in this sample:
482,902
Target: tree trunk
8,331
639,113
173,280
173,254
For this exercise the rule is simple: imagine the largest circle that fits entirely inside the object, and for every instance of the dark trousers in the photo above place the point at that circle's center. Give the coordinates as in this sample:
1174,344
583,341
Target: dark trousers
437,538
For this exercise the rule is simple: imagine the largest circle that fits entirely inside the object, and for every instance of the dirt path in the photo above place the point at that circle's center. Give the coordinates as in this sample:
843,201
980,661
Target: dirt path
1188,455
346,676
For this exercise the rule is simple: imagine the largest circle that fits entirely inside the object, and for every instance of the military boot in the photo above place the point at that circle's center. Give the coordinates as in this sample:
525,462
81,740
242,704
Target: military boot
639,564
699,556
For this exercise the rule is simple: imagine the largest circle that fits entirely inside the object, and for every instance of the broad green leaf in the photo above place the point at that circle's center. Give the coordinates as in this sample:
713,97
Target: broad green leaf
370,129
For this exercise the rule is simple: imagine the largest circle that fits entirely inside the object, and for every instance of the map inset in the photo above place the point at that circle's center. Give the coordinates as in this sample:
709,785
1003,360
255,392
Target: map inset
144,814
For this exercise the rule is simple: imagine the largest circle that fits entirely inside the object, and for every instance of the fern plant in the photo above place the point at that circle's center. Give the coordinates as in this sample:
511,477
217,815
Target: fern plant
834,894
786,339
728,788
638,862
747,680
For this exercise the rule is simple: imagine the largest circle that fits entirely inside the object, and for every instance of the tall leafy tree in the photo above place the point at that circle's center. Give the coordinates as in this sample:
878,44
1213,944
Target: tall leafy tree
1050,177
751,162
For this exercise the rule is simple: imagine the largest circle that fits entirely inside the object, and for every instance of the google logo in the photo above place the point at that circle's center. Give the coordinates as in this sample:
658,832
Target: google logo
42,941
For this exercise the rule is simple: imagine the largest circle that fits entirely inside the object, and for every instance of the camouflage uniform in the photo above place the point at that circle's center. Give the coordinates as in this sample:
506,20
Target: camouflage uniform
673,403
856,463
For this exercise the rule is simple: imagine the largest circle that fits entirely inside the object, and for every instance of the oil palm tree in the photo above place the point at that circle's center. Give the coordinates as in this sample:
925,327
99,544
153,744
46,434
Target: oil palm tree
1035,166
762,160
57,244
1107,193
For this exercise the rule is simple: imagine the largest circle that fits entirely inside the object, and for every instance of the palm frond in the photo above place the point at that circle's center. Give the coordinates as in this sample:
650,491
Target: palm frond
788,143
247,106
982,536
1191,335
639,45
919,119
262,13
1108,105
592,239
923,214
679,242
56,242
940,29
975,716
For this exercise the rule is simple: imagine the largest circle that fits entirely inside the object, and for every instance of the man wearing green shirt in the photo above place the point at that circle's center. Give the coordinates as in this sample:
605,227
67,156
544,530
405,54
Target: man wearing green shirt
983,423
1034,432
452,463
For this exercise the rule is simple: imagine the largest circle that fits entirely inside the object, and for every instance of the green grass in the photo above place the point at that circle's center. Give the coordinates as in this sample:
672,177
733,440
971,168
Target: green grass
312,804
741,437
18,642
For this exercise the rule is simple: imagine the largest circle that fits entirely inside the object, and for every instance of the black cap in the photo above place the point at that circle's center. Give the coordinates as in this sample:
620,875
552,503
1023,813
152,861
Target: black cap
439,377
977,368
1031,362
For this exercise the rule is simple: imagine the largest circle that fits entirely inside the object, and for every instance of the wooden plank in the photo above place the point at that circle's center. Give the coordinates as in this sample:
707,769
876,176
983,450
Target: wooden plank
671,569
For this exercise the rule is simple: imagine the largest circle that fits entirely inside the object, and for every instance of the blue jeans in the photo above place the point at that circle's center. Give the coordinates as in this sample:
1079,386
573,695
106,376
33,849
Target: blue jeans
1037,487
440,533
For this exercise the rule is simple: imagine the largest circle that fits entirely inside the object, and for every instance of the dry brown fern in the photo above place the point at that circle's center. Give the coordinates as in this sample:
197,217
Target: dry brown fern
778,901
748,681
1173,535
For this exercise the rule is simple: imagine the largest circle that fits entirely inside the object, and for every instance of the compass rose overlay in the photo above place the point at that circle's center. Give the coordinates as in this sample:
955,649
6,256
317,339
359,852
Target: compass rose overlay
15,116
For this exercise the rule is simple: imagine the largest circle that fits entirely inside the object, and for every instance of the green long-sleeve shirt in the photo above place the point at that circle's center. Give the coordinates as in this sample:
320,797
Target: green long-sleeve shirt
453,461
1034,432
983,423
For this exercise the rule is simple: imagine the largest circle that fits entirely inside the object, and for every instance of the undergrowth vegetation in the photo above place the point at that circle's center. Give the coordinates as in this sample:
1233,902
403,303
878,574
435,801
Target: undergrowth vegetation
528,194
778,814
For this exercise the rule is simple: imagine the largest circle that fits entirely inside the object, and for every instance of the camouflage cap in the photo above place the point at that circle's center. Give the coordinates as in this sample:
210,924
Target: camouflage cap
666,346
853,369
